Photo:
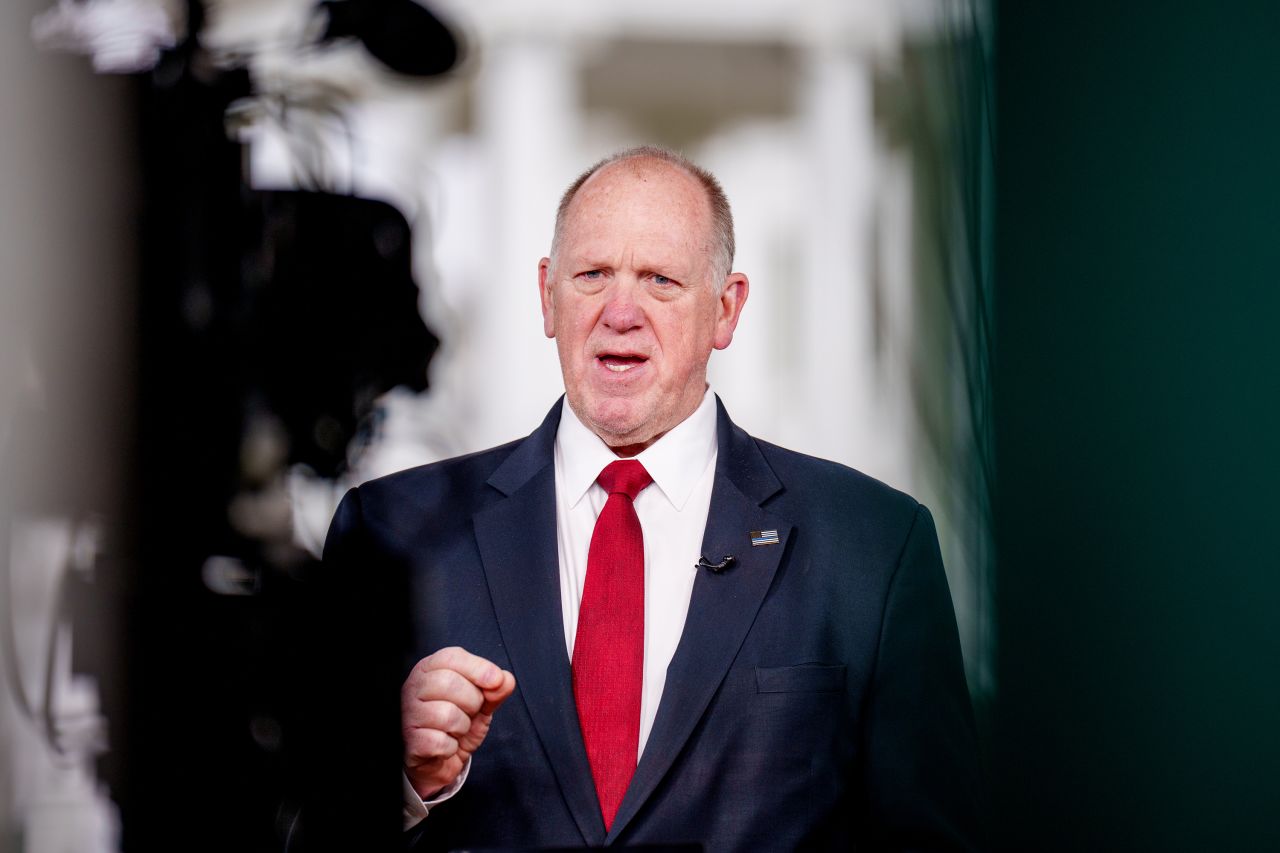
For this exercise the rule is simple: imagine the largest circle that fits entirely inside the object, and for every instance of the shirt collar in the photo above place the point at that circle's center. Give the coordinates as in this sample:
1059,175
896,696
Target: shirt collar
675,461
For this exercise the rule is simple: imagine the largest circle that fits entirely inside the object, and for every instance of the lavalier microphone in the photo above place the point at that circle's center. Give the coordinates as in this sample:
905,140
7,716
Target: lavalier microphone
727,562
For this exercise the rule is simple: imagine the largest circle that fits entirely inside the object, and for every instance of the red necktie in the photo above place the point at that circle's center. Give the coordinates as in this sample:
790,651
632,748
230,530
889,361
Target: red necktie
608,653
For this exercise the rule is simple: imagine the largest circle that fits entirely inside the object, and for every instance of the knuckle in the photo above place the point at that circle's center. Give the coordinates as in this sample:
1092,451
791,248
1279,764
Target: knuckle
415,713
469,701
450,673
441,743
438,659
454,721
446,716
449,656
454,682
440,684
453,687
415,745
430,744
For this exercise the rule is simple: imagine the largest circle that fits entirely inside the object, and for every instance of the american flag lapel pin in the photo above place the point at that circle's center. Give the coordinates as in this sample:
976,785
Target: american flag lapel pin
764,537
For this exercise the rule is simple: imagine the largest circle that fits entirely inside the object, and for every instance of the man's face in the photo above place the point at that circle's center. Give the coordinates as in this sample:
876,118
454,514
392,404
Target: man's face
632,303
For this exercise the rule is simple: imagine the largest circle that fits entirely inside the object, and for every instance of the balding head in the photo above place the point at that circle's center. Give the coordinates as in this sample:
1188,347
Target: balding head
647,157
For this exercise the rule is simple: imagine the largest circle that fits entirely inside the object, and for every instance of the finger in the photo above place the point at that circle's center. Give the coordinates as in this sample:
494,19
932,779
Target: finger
448,686
481,721
423,745
439,715
494,698
481,672
471,741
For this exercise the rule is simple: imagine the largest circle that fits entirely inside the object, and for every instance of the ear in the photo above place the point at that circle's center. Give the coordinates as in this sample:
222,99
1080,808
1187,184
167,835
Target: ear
732,297
547,299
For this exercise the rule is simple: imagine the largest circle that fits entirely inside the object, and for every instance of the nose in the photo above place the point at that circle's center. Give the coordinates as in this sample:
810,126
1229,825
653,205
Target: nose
621,310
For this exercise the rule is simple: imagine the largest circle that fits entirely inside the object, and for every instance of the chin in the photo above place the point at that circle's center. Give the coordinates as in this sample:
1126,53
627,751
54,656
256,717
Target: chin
614,427
616,421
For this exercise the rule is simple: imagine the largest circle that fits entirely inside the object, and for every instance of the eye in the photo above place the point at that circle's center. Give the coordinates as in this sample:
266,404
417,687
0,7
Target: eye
662,280
591,275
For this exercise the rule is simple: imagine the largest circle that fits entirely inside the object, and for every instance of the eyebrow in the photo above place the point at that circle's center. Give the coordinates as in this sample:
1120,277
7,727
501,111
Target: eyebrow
653,264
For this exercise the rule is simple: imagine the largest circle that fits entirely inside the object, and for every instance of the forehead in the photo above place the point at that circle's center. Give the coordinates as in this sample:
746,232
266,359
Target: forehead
643,205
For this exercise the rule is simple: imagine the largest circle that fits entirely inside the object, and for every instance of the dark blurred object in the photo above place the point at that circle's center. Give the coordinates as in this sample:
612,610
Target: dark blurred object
268,323
639,848
330,314
400,34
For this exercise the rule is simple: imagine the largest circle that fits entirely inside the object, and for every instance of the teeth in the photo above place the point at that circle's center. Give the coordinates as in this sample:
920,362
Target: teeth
619,368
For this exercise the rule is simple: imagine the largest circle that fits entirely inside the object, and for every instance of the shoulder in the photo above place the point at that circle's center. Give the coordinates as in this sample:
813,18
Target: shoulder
461,481
819,490
430,499
806,475
801,487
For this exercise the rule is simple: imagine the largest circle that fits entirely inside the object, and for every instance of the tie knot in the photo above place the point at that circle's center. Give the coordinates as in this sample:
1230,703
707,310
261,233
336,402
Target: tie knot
625,477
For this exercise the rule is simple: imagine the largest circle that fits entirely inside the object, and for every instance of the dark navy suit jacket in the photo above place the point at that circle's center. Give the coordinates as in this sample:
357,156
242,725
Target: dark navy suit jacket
816,700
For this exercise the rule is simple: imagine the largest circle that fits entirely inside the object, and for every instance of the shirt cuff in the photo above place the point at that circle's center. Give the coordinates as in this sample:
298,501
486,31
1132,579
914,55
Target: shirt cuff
416,809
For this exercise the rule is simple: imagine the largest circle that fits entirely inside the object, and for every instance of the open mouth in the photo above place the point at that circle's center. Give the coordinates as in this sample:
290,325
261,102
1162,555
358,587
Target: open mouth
620,363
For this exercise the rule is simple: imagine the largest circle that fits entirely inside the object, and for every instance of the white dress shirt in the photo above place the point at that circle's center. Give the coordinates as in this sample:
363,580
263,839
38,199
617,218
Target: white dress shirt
673,514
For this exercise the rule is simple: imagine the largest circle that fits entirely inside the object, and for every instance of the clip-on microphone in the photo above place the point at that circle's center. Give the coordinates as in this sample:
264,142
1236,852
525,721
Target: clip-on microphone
727,562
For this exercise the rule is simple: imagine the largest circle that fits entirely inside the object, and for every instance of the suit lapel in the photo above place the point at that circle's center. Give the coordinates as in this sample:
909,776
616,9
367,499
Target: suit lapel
517,540
721,610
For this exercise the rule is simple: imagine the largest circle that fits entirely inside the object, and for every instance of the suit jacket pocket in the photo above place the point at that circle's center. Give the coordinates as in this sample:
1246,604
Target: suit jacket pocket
803,678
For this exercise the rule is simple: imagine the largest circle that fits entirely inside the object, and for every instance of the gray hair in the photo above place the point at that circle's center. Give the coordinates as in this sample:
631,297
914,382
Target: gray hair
721,216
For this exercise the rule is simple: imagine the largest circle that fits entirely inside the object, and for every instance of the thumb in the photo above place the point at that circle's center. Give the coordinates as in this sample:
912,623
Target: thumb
470,742
494,698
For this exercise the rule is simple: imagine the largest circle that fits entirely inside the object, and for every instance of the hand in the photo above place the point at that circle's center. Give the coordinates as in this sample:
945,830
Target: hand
446,706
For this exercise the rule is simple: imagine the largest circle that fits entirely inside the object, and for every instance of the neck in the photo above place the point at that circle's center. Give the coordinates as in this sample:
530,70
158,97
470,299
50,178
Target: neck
627,445
626,451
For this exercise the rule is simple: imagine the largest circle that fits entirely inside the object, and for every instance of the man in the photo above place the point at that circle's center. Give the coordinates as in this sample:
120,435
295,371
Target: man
639,625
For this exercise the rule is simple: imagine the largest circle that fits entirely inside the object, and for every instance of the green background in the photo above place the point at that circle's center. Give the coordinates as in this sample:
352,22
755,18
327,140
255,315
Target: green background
1137,377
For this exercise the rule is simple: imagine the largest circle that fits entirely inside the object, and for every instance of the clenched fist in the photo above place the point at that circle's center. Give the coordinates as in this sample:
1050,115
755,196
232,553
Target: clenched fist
446,706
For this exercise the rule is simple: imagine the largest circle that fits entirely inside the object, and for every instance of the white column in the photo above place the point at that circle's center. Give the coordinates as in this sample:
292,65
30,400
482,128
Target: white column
527,120
835,322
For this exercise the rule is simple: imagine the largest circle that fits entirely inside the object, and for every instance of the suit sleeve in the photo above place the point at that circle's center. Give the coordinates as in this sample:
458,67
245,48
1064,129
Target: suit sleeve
923,775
